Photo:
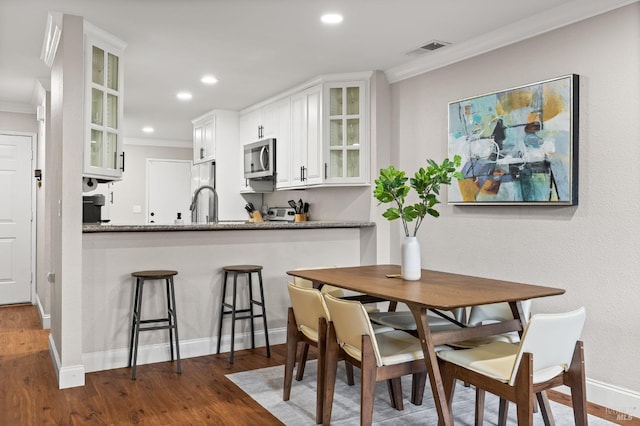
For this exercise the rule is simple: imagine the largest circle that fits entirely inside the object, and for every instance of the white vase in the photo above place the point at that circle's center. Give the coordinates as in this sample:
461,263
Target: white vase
410,256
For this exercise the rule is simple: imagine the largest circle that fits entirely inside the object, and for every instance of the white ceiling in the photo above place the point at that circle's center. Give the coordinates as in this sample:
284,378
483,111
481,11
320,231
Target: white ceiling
257,48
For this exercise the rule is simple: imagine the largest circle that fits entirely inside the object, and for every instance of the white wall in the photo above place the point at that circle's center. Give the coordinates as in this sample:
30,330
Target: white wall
591,250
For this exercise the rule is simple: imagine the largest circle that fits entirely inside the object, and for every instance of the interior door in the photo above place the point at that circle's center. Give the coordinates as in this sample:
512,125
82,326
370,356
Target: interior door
168,191
15,218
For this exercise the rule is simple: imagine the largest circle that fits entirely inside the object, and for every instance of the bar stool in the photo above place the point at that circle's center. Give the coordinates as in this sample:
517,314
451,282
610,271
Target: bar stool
232,307
170,322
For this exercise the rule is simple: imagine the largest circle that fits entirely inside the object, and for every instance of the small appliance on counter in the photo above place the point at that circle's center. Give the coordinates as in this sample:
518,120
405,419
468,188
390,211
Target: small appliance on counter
281,213
92,208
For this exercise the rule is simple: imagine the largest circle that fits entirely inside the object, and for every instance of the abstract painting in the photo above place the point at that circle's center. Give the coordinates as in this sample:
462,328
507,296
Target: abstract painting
518,146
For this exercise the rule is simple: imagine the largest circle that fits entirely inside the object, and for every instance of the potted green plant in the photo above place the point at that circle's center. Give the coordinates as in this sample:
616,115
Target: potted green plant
391,187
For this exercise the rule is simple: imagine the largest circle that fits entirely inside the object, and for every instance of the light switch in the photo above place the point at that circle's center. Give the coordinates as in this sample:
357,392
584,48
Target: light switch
137,209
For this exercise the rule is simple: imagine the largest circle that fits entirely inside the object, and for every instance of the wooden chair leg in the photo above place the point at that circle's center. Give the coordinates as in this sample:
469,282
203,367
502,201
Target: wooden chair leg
524,397
322,353
448,380
302,362
394,386
418,382
331,363
350,379
576,380
292,346
367,382
479,407
503,412
545,409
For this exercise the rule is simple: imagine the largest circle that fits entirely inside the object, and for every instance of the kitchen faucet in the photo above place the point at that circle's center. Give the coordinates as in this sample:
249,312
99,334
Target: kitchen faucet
213,205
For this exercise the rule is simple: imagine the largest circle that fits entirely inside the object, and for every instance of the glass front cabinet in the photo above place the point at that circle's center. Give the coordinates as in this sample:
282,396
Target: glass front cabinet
103,153
345,133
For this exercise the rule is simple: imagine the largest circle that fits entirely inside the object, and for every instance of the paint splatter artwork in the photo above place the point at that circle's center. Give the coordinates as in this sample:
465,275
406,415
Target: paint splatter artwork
518,146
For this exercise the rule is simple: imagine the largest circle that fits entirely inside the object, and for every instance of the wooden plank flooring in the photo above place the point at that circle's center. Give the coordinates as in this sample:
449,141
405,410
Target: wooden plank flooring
29,391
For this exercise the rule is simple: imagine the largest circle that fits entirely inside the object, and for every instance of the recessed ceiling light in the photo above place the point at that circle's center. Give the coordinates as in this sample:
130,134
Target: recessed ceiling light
148,129
184,96
209,79
331,18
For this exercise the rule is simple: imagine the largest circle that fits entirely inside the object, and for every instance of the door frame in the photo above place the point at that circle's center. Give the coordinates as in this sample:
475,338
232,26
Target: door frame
34,212
147,180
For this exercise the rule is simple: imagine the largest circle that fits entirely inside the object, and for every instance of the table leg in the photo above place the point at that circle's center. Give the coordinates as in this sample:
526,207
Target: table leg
433,369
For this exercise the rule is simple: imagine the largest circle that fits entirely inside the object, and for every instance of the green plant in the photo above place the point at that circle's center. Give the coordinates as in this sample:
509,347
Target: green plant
391,186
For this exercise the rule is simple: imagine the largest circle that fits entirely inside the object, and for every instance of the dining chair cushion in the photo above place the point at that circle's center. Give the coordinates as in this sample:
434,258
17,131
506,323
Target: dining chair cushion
549,337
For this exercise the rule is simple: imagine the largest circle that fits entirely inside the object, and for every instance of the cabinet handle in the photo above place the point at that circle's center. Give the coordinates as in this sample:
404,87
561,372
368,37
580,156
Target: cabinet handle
325,171
122,155
304,173
201,153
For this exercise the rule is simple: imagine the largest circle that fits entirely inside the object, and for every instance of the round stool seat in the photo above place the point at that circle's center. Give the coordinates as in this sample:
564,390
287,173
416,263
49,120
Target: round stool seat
242,268
154,275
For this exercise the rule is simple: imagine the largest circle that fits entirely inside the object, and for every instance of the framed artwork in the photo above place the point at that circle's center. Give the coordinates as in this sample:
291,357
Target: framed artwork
518,146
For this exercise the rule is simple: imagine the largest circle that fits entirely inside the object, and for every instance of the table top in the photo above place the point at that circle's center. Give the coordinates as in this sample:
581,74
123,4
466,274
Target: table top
438,290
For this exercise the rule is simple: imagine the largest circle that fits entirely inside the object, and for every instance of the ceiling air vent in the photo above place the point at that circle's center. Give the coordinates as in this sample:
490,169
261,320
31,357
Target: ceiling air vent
428,47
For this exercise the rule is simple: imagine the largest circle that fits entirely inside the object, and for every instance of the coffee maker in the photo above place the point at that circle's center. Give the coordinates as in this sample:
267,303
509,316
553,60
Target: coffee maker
92,208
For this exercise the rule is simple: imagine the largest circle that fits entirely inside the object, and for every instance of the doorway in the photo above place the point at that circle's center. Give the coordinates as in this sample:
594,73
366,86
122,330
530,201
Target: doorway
16,239
168,191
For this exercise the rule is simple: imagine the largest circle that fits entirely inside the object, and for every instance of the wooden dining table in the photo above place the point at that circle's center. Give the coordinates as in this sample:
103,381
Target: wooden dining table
441,291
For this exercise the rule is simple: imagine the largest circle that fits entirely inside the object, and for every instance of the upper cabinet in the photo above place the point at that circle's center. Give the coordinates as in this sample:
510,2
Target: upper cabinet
217,127
346,141
321,130
104,75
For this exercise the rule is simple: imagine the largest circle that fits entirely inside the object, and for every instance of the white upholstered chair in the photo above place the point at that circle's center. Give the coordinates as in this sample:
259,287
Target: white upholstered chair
548,355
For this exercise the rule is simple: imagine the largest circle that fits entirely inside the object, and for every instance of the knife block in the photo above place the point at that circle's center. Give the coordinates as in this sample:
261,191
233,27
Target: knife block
256,216
300,217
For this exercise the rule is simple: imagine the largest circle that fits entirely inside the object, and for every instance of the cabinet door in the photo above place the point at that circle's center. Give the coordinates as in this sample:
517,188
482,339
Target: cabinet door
298,137
314,169
103,157
277,124
204,140
346,140
249,124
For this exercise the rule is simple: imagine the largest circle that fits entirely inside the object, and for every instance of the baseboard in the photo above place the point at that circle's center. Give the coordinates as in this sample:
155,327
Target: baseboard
624,404
119,358
45,319
68,377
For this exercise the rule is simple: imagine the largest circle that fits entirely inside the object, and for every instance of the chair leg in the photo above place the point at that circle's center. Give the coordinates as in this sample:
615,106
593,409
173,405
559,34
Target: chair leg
524,398
322,354
479,406
134,319
545,409
233,315
251,313
221,316
394,387
175,324
264,315
292,345
331,363
418,382
503,412
302,363
367,382
350,379
576,379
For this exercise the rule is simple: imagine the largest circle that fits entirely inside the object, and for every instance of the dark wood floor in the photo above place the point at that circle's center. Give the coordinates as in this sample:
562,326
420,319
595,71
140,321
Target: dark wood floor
29,392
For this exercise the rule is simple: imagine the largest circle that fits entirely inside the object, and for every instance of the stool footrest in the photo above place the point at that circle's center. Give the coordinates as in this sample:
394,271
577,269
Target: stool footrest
157,327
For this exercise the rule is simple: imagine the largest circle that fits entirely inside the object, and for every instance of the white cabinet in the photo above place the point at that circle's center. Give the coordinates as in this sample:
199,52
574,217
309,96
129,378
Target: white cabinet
204,140
345,133
211,130
306,138
104,74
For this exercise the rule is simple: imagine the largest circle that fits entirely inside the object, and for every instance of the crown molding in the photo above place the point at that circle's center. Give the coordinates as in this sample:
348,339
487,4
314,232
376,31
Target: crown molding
52,34
17,108
549,20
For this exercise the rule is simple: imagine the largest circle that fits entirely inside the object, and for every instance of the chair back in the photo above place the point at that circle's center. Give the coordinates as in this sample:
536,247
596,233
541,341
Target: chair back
551,338
326,289
308,306
351,322
495,312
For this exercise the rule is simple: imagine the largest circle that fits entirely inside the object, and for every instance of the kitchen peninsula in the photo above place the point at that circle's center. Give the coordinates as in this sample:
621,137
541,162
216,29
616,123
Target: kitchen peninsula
198,252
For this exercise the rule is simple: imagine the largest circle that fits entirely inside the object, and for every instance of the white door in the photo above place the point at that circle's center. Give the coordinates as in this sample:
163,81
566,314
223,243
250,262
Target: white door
168,191
15,219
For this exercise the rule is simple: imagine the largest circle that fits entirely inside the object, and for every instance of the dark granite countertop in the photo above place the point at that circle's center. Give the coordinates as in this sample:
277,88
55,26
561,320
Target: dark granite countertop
235,225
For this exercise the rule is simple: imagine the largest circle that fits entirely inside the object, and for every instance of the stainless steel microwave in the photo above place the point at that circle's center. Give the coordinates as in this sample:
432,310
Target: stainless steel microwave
260,159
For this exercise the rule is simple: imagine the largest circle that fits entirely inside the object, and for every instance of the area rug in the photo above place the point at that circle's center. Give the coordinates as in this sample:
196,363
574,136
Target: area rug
265,386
